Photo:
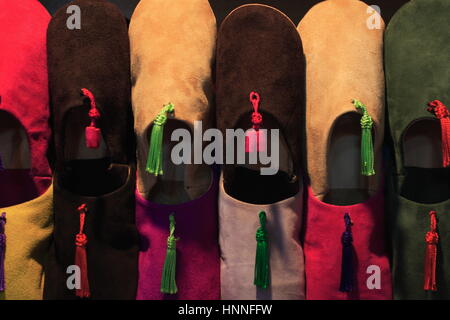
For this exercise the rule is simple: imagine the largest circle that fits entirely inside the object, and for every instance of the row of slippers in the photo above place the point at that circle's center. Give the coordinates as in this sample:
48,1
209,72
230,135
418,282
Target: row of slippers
237,236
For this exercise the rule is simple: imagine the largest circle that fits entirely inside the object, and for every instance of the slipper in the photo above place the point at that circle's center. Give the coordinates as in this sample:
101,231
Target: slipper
345,251
260,75
94,184
24,170
418,96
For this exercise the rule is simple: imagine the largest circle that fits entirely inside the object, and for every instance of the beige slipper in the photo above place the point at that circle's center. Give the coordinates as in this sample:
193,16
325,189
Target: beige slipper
172,49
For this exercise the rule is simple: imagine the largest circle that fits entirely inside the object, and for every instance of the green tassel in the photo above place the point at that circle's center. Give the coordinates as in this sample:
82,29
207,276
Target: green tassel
155,154
262,269
168,282
367,155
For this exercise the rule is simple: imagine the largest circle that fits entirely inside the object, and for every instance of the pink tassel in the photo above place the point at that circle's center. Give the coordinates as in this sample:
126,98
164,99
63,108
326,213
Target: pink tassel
93,134
437,108
255,140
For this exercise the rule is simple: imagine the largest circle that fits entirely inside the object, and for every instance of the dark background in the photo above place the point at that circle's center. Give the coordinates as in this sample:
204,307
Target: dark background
295,9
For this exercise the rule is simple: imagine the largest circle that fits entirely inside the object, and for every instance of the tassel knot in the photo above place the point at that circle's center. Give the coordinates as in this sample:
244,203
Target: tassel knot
347,256
154,159
431,239
367,153
81,240
92,133
81,256
441,112
2,250
168,281
262,267
254,139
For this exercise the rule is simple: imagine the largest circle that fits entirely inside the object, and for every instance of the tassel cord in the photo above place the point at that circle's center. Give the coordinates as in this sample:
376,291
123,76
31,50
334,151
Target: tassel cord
431,240
347,272
168,281
154,158
262,260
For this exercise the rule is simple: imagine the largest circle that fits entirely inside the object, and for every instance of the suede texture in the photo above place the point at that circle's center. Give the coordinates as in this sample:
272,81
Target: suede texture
198,261
238,222
417,53
28,232
181,76
95,57
344,62
324,225
258,49
24,88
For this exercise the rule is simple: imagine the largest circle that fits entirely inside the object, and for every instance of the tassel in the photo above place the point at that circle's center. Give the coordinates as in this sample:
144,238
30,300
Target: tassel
262,268
155,152
437,108
81,257
168,281
93,133
367,155
431,239
254,138
347,257
2,251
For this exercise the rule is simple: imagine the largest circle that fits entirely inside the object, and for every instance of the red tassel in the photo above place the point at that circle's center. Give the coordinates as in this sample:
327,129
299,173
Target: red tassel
81,257
255,140
93,133
441,112
431,239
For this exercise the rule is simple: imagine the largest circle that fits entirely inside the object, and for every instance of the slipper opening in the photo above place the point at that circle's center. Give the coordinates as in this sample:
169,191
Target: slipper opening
346,184
249,185
425,180
179,183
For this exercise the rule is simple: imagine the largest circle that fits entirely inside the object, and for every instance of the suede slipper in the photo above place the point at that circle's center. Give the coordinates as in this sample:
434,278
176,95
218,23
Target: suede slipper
24,112
239,223
417,96
336,26
345,99
197,275
259,50
95,172
182,78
